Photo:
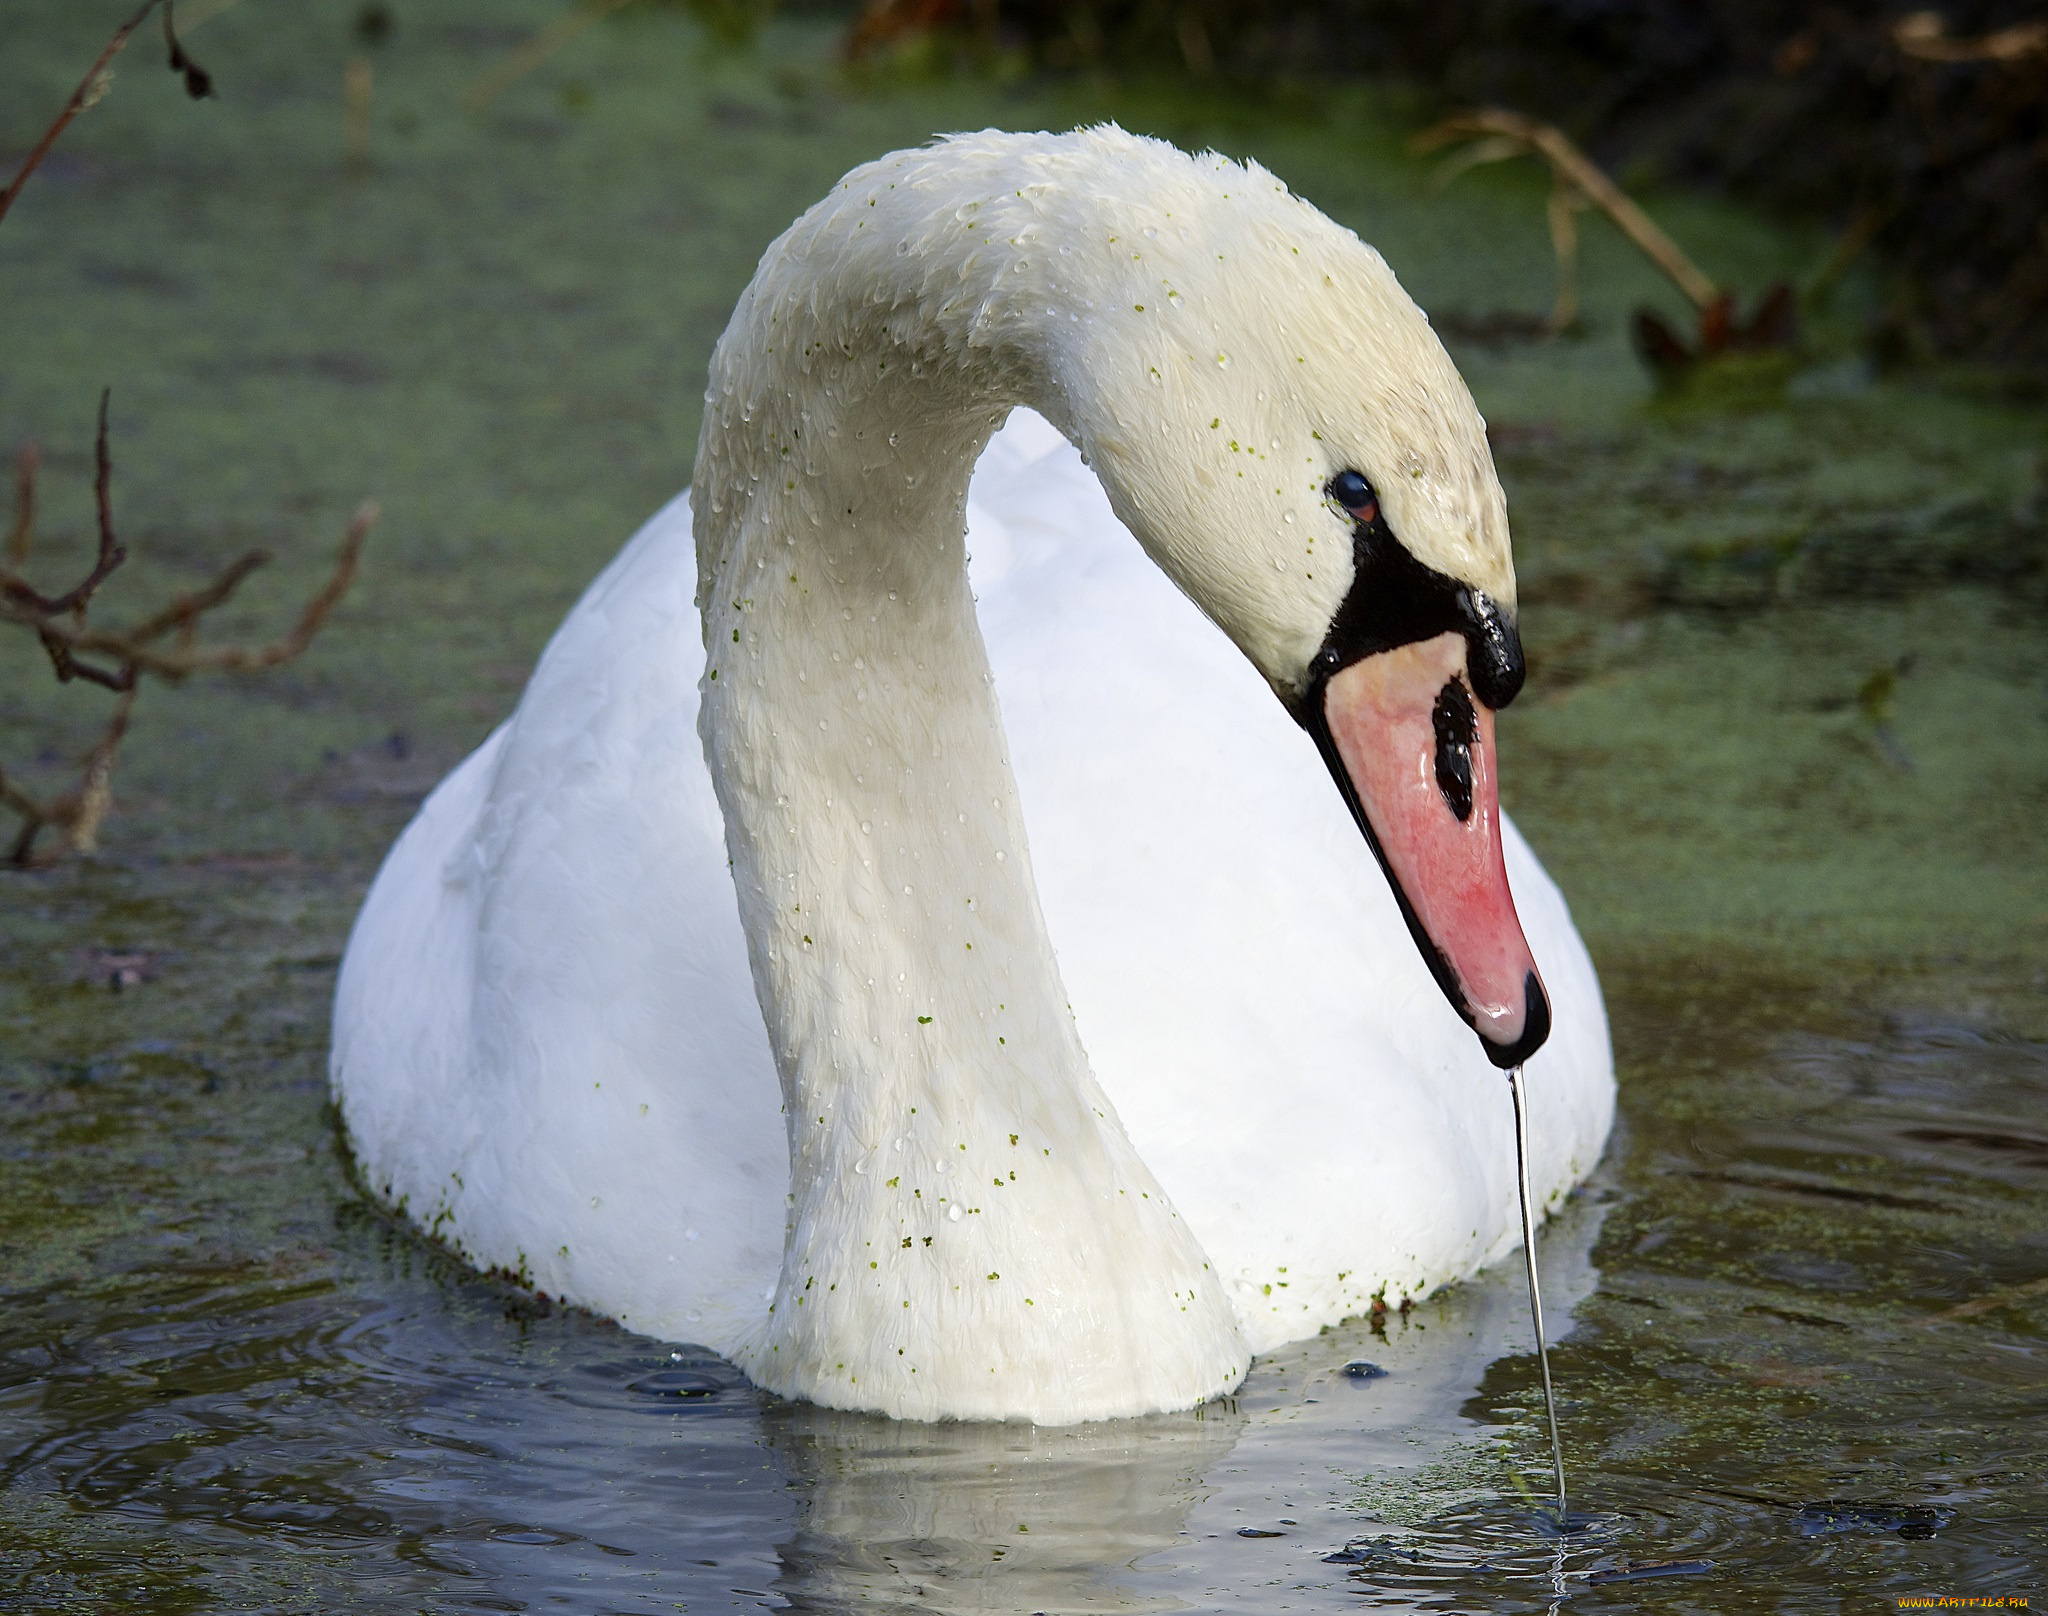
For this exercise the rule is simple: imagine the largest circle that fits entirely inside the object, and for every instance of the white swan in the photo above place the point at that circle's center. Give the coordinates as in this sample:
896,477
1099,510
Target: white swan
571,993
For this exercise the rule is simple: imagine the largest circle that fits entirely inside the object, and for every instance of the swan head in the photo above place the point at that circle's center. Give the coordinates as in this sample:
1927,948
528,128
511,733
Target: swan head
1273,417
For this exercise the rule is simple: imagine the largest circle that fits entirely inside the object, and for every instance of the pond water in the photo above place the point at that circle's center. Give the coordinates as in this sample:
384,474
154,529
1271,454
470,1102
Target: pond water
1785,746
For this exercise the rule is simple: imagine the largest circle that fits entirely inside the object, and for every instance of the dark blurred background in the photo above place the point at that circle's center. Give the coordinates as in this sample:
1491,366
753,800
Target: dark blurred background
1917,133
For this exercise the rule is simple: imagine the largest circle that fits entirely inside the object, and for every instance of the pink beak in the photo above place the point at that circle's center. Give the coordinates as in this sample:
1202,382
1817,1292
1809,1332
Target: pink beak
1417,752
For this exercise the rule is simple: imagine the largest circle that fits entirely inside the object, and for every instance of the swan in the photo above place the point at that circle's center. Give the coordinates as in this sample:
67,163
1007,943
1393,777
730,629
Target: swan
717,991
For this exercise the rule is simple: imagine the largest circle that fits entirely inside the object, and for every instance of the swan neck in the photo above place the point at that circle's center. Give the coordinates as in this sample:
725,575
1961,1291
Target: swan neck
960,1185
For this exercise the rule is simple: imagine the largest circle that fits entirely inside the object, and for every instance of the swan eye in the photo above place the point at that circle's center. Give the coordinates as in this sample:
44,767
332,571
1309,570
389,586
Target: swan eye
1355,495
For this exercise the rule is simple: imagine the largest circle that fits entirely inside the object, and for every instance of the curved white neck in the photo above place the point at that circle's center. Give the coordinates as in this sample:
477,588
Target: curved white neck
970,1232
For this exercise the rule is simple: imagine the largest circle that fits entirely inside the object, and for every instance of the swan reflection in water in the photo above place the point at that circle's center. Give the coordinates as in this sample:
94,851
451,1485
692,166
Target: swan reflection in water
1141,1514
977,1516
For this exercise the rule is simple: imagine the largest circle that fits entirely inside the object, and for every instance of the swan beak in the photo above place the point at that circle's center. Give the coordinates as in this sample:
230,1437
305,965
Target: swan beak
1413,753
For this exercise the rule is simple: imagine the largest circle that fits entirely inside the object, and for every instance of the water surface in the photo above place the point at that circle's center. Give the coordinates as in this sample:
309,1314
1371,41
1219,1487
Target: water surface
1785,746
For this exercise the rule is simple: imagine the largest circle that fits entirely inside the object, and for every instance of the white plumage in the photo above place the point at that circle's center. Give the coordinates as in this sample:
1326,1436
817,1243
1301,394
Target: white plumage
550,1047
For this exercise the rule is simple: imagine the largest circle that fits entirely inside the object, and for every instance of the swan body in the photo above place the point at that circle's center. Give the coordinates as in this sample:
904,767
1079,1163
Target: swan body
721,990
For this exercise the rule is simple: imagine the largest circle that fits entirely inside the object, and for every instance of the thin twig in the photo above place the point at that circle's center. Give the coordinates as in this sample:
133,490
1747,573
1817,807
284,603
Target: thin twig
1497,124
111,554
33,815
186,610
90,89
94,85
133,648
17,598
90,804
61,623
1562,209
77,815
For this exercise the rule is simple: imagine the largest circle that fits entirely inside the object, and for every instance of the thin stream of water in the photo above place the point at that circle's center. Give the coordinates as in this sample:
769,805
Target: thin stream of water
1515,1089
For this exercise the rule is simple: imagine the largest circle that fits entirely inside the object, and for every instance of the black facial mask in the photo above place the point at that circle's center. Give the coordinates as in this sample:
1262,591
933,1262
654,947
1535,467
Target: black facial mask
1395,600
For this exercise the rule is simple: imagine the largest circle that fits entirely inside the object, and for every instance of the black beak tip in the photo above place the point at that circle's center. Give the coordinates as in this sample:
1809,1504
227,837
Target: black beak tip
1535,1028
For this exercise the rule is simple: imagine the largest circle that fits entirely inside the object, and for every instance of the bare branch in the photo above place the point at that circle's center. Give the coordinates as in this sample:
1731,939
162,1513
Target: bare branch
111,555
67,667
94,798
21,602
198,83
1494,124
121,657
90,89
132,647
61,622
1565,201
186,610
77,815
